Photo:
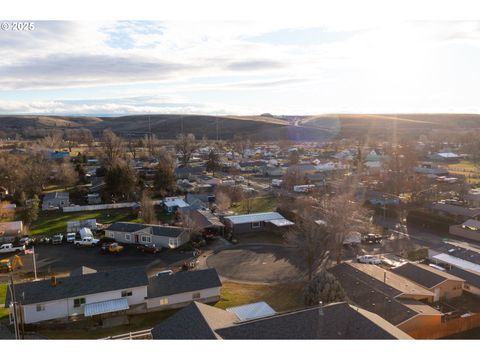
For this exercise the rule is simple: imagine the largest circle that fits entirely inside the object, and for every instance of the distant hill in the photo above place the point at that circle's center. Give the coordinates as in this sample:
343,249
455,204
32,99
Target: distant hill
265,127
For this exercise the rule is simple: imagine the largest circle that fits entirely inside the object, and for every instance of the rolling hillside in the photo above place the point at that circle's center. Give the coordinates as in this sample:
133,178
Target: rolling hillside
295,128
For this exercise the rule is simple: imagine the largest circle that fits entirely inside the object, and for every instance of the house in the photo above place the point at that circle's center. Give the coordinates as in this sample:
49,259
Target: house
473,197
333,321
93,294
427,169
470,229
395,298
199,201
454,210
55,200
172,204
10,229
445,157
94,199
445,286
205,220
180,289
462,262
159,235
188,172
256,222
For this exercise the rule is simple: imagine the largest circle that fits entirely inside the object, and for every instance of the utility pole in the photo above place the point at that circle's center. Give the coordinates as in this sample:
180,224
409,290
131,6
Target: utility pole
34,263
15,314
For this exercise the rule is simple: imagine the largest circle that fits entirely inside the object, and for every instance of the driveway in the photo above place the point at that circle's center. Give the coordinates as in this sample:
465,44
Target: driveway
256,264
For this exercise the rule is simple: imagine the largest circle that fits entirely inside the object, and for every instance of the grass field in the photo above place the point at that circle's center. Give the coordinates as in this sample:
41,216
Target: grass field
466,168
51,222
280,297
3,294
258,204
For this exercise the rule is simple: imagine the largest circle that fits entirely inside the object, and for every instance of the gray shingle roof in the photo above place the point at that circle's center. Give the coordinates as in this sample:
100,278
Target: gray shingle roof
469,276
421,276
372,294
181,282
339,321
158,230
195,321
80,285
56,195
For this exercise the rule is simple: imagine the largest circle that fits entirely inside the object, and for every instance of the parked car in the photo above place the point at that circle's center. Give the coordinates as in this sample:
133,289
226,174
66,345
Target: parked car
71,237
372,239
112,248
10,248
164,272
26,241
45,240
57,239
86,241
149,248
369,259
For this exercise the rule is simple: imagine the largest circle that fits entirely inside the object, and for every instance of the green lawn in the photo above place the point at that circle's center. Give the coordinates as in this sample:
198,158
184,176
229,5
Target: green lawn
281,297
51,222
3,294
258,204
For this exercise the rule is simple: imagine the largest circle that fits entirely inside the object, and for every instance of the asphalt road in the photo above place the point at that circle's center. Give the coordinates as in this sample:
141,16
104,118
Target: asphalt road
64,258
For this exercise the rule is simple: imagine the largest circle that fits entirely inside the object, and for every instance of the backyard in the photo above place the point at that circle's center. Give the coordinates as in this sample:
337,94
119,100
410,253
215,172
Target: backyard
258,204
51,222
280,297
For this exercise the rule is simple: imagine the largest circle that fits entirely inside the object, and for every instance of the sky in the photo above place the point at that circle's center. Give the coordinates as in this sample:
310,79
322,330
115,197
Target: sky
240,67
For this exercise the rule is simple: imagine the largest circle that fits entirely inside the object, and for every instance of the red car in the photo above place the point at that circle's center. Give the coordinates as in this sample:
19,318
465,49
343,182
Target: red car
149,248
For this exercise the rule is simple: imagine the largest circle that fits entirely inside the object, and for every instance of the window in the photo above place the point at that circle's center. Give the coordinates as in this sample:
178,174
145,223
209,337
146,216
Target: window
164,301
126,293
78,302
173,242
110,234
127,236
196,296
256,224
146,239
40,307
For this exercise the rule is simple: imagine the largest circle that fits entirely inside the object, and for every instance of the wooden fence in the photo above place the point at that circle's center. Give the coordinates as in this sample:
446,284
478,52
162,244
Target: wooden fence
447,328
99,207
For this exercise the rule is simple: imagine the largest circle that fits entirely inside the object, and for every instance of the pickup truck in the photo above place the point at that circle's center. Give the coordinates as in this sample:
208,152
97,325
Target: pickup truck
10,248
86,241
369,259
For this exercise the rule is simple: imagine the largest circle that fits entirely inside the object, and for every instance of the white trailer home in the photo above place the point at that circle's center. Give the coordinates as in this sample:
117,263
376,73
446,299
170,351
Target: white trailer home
91,294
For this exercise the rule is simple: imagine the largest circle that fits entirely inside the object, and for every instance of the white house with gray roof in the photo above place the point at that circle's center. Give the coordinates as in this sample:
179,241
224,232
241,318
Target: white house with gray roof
161,236
256,222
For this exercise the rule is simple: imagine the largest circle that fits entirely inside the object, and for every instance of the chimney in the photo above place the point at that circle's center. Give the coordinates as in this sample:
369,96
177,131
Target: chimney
53,281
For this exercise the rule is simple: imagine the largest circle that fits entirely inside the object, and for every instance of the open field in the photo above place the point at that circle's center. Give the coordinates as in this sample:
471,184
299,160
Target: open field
258,204
466,168
51,222
280,297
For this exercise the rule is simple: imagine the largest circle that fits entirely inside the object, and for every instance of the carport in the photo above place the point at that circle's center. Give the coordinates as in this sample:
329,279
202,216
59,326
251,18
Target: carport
106,307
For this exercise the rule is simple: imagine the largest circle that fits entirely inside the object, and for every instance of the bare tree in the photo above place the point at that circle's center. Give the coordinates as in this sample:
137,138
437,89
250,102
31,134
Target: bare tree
240,144
53,140
7,213
164,179
67,176
342,215
213,161
293,176
185,147
113,147
147,209
309,240
222,200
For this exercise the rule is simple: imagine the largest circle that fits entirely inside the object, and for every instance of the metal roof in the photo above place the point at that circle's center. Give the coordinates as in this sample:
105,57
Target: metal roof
248,218
462,264
281,222
252,311
108,306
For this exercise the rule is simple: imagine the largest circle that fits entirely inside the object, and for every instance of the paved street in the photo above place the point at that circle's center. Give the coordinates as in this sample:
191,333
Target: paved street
66,257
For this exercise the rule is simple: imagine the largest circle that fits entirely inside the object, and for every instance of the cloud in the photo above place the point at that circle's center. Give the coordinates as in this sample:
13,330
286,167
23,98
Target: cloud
106,107
84,70
254,65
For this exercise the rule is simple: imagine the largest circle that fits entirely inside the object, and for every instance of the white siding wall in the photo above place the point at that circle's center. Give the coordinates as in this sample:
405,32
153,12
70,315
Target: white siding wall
183,298
160,241
64,308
